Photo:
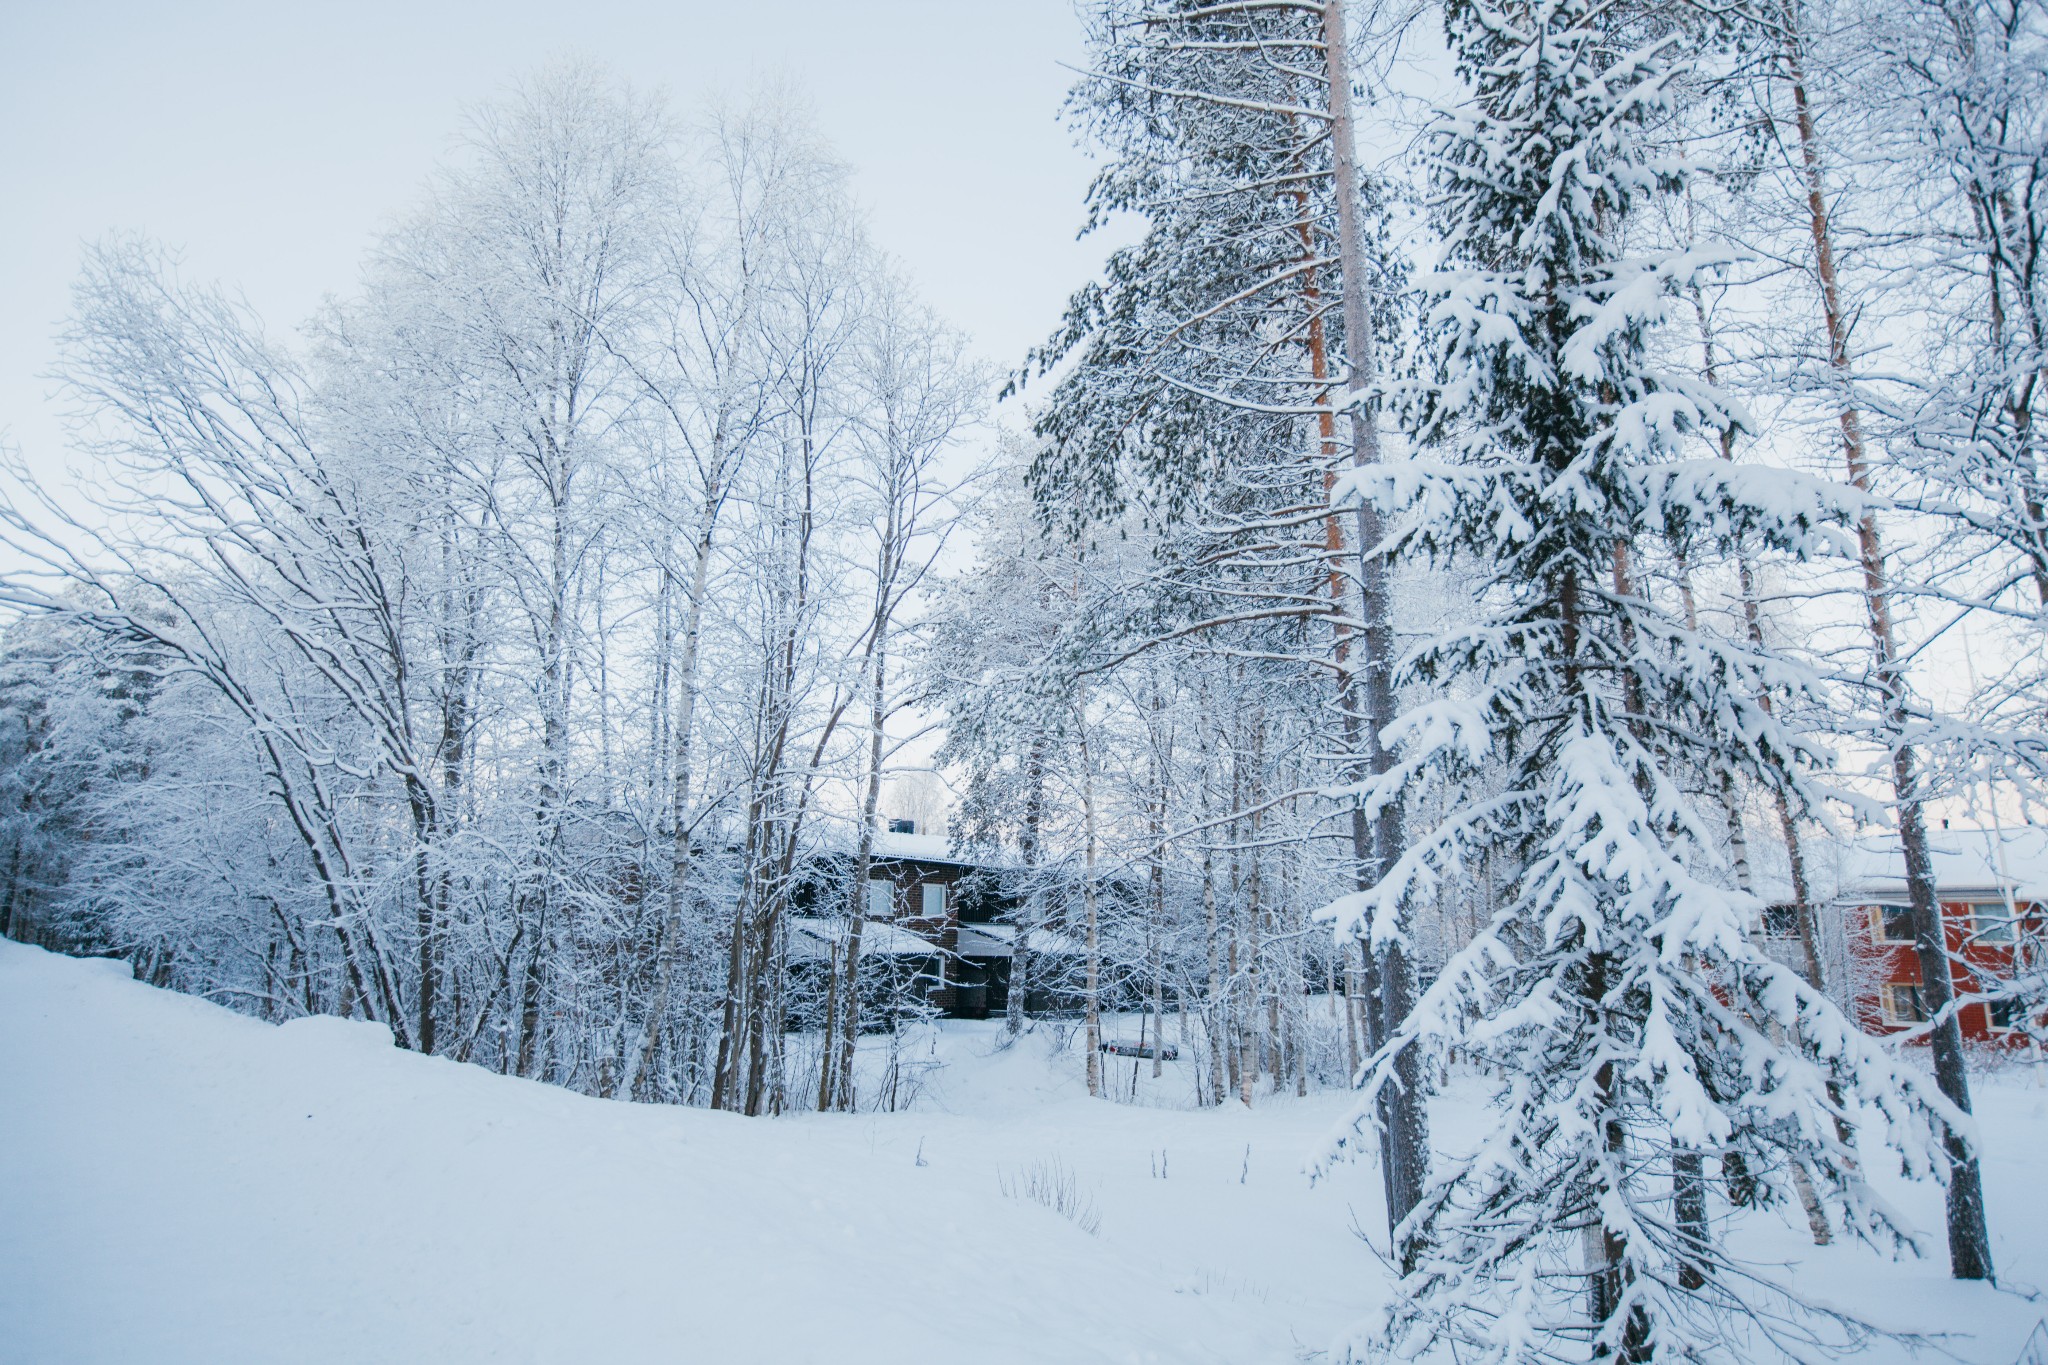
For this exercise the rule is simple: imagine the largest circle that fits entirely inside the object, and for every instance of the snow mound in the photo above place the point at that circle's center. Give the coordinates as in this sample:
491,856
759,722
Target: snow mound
187,1184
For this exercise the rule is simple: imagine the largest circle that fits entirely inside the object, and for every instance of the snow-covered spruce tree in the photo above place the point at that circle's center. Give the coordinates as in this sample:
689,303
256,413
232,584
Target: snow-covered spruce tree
1206,375
1614,995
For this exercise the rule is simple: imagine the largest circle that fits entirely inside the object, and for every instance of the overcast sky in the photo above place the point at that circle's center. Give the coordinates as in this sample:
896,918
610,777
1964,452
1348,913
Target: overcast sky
271,142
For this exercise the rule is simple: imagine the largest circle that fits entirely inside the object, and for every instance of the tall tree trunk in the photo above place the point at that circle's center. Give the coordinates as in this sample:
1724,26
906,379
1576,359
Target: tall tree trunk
1404,1119
1251,1036
1969,1238
1034,894
842,1005
424,908
1090,908
681,826
1156,929
1213,1015
7,900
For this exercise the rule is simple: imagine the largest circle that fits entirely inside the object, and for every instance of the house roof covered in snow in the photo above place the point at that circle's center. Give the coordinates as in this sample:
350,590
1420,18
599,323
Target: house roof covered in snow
927,848
923,848
1965,860
1000,940
814,939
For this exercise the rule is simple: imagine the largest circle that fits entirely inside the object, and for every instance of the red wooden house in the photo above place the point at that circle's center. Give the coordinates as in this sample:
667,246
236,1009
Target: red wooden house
1993,891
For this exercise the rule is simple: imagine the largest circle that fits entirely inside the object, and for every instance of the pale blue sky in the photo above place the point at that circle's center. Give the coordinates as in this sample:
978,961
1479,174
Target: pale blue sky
270,142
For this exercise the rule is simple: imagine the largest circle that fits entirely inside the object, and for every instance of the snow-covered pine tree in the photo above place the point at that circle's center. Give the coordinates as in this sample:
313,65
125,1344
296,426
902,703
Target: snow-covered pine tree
1614,996
1208,371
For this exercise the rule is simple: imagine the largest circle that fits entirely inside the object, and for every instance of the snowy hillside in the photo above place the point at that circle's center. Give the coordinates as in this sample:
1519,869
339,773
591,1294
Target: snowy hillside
185,1184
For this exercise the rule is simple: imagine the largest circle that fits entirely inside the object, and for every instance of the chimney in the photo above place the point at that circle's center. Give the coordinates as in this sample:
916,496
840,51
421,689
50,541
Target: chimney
901,826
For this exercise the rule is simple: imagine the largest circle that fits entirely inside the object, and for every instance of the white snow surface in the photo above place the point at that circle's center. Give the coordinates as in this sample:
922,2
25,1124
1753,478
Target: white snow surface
182,1183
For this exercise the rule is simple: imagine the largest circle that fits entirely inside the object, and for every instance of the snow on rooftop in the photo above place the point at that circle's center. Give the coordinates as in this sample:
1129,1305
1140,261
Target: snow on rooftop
1964,860
934,848
1874,866
1000,940
811,938
925,848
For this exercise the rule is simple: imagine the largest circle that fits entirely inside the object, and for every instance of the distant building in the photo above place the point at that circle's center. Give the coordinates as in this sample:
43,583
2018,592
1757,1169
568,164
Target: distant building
1993,891
939,930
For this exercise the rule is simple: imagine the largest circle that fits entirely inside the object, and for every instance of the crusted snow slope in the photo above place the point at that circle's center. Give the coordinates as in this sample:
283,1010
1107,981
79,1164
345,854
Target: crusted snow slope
180,1183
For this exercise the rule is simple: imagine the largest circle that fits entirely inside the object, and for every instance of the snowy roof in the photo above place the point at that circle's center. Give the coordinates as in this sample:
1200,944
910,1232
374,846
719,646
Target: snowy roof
1000,940
1964,860
930,848
811,938
923,848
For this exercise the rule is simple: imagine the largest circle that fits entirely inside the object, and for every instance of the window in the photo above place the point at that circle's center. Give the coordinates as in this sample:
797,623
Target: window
2005,1014
1892,923
932,900
928,978
1902,1004
881,896
1991,922
1781,921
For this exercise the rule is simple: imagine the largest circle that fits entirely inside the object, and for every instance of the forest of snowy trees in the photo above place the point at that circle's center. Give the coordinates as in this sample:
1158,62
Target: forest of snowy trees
478,665
1537,473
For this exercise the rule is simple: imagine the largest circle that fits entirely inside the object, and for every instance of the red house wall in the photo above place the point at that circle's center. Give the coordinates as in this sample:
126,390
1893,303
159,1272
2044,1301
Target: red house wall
1886,963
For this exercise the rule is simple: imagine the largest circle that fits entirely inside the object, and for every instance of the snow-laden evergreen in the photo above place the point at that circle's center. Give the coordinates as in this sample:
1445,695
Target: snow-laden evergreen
1631,1029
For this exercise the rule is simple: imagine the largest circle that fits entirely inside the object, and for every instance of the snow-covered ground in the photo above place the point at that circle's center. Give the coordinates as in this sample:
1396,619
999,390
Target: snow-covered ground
180,1183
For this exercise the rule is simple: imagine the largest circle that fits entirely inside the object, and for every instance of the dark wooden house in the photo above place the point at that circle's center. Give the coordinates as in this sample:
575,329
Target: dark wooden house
939,929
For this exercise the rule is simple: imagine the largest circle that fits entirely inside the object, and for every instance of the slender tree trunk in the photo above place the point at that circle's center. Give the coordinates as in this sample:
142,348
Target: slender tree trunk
1353,975
672,947
1403,1112
13,884
1233,1015
735,1014
1158,968
1156,930
1249,1035
1969,1236
532,986
1092,1002
835,1084
1020,954
424,911
1213,1015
